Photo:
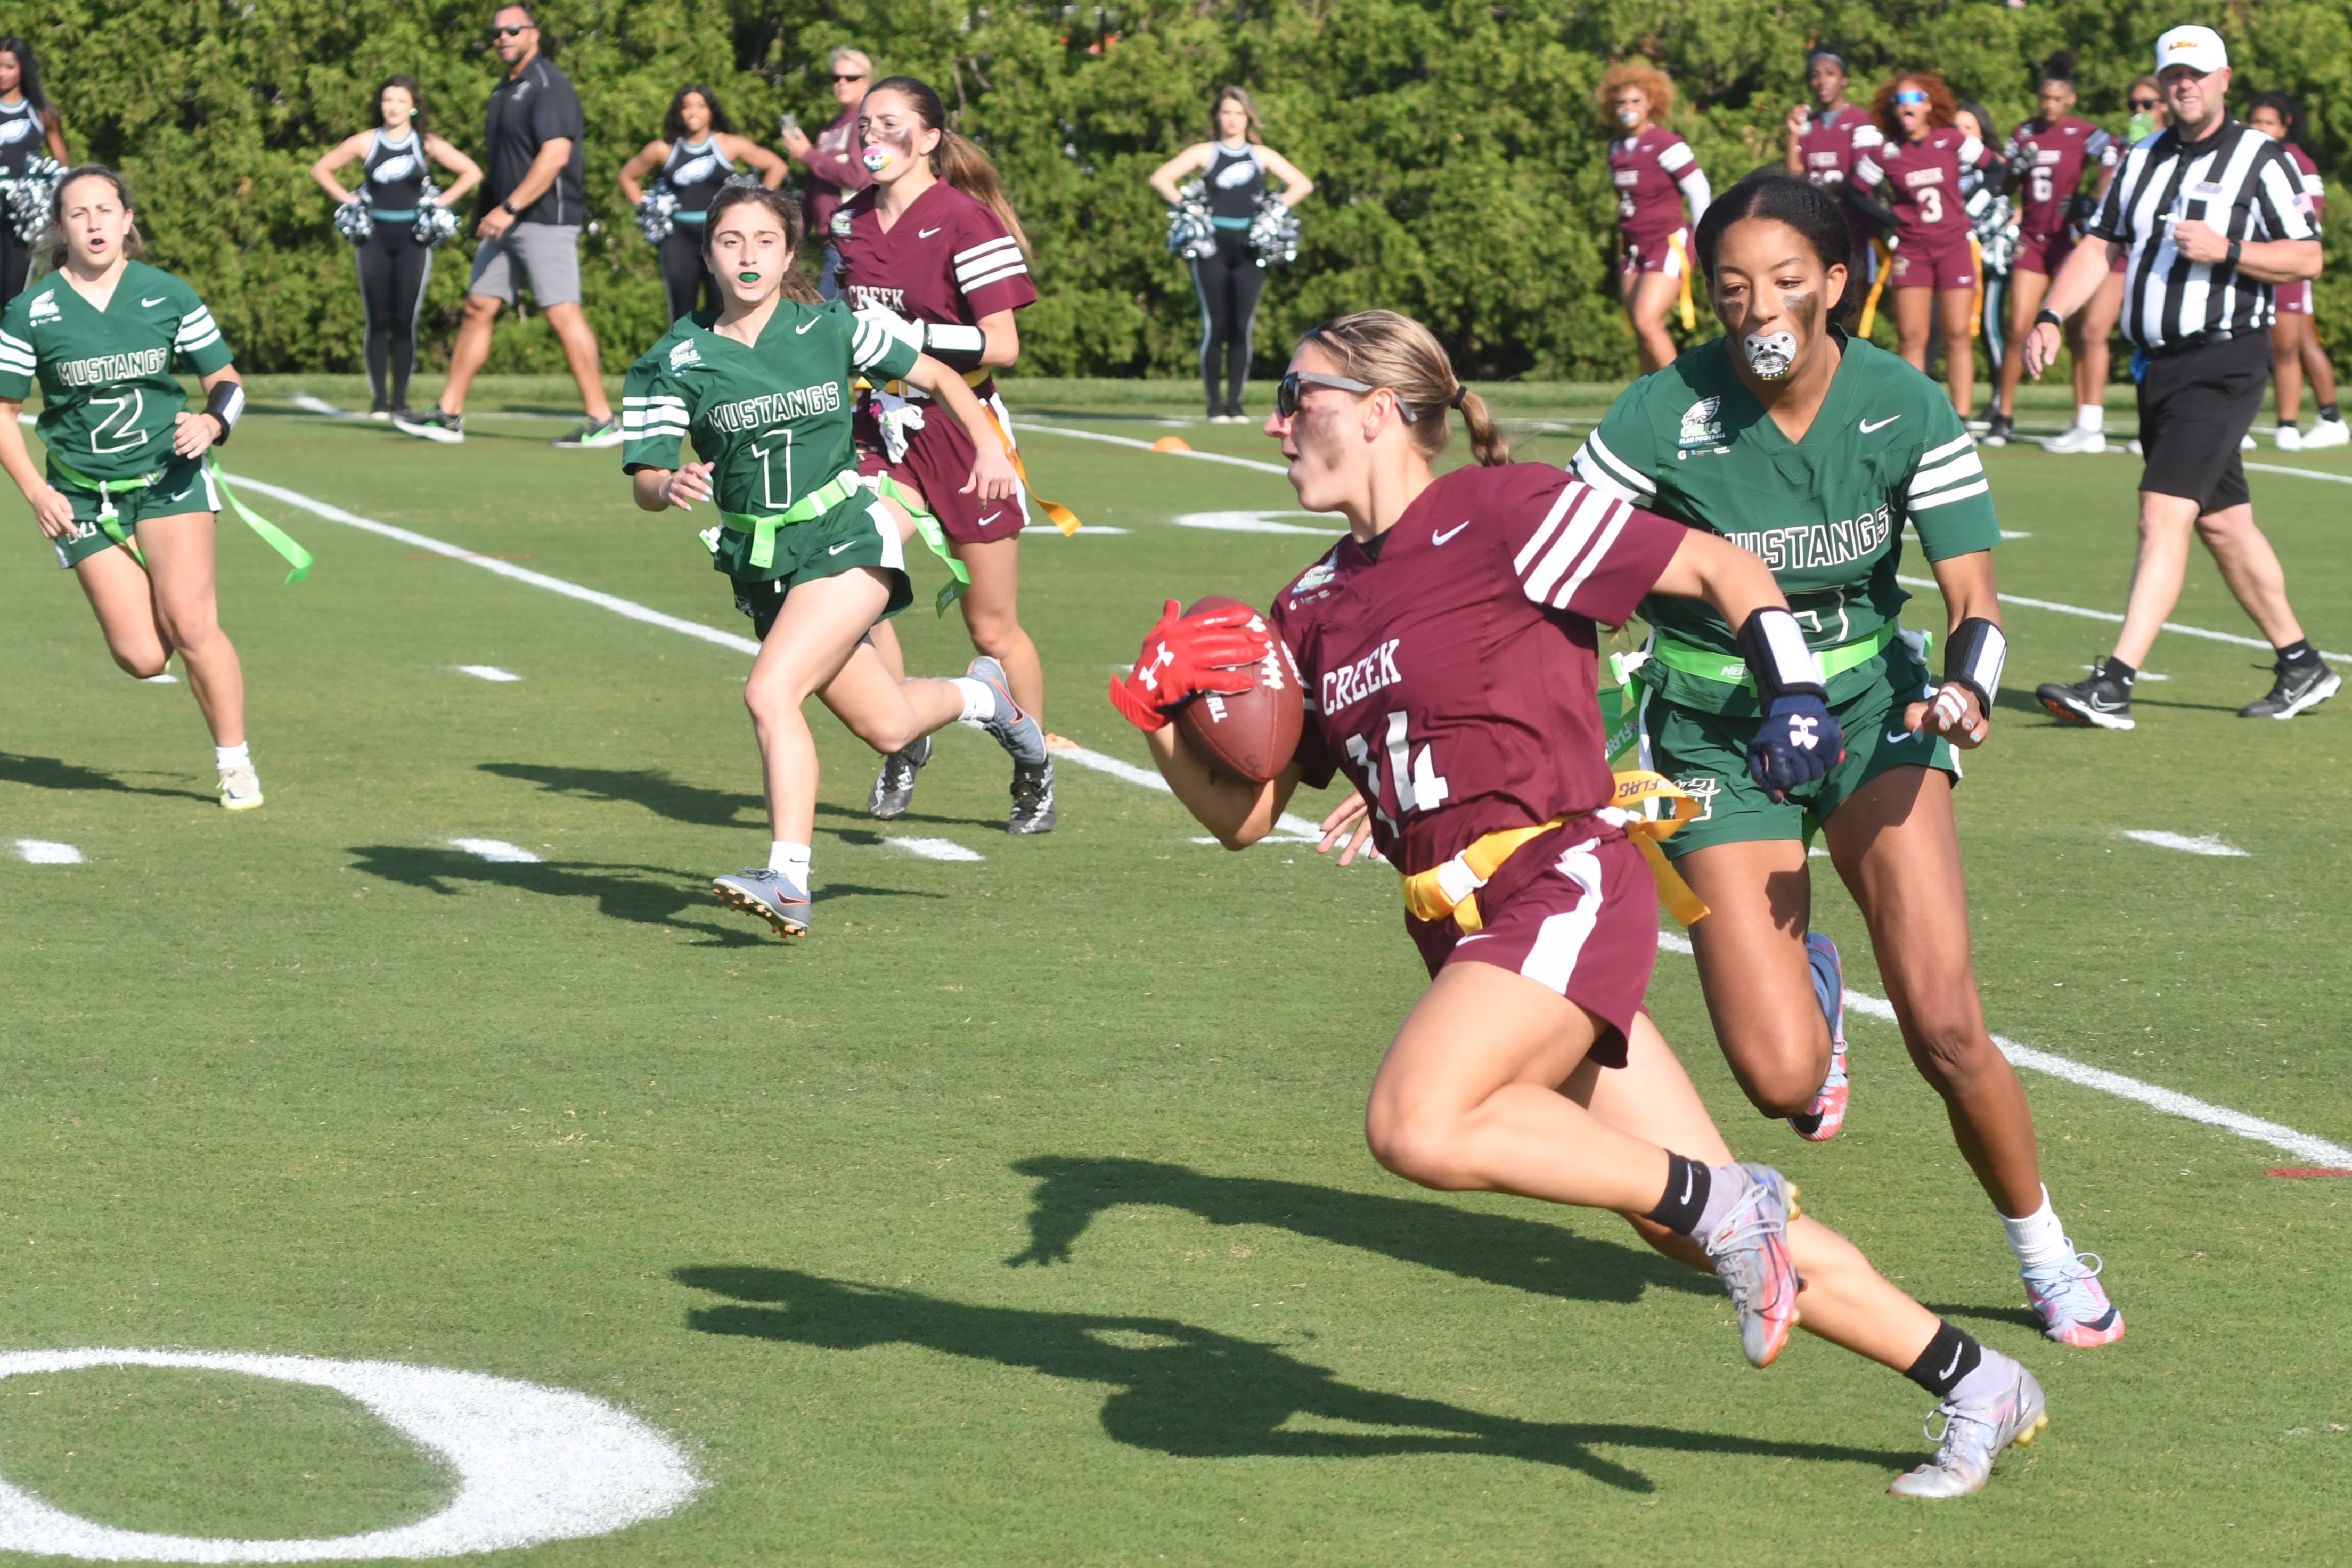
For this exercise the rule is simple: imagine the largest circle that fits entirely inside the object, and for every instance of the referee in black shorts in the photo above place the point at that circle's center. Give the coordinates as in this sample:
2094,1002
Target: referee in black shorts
2206,216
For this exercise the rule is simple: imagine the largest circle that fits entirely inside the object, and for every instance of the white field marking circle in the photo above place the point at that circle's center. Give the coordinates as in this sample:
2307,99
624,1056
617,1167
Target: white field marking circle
2204,844
47,852
2318,1149
1252,522
533,1465
935,848
497,849
487,672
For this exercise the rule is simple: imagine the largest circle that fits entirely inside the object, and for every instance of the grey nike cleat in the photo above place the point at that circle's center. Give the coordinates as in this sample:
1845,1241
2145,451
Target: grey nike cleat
1974,1436
894,787
1750,1249
757,891
2100,703
1032,799
1014,730
2295,688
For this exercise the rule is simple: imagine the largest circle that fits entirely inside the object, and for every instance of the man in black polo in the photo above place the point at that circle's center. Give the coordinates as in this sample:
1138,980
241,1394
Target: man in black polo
2206,213
531,207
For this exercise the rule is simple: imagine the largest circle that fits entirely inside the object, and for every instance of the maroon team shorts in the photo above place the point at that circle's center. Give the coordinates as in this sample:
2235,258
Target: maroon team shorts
939,464
1576,911
1656,256
1949,268
2042,253
2295,298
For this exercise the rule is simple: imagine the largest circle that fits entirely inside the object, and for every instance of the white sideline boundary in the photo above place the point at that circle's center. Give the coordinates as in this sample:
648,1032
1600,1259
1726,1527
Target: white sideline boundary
2169,1102
2114,619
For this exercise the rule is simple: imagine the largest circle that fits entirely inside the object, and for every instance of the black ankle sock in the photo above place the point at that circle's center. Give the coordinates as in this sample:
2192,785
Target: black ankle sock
1688,1183
1951,1356
2299,652
2114,668
2328,411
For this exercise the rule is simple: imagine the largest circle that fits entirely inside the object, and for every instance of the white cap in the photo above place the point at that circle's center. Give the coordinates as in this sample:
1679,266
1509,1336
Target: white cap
2199,48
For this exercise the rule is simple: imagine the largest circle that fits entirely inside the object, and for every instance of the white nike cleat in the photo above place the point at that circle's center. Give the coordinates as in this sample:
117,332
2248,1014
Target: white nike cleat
2076,441
2246,442
1974,1436
2328,433
2290,439
240,789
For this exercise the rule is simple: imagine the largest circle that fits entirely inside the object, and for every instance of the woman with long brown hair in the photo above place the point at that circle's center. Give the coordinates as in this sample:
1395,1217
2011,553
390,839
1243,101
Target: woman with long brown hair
934,241
1655,175
1475,749
1936,271
29,129
695,156
1233,165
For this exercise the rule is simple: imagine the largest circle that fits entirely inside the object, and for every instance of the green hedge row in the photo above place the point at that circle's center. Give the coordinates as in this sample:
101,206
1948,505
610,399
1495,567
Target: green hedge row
1458,157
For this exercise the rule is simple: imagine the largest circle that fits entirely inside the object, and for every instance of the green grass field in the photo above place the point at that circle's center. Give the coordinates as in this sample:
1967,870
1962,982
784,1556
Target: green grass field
1022,1214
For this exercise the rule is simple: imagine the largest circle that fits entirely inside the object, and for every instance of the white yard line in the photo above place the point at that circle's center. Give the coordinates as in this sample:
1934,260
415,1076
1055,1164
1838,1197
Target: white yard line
47,852
935,848
487,672
2209,844
2299,473
497,849
2164,1099
2053,606
1256,523
1146,447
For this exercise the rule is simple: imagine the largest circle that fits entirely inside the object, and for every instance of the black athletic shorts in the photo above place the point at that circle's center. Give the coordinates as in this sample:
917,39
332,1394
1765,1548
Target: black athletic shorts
2194,410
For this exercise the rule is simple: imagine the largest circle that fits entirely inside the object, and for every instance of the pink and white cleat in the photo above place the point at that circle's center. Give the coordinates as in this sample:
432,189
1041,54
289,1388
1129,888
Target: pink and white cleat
1821,1121
2071,1302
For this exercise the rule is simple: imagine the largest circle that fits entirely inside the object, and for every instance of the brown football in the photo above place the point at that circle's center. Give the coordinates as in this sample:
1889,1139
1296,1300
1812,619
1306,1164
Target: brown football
1251,733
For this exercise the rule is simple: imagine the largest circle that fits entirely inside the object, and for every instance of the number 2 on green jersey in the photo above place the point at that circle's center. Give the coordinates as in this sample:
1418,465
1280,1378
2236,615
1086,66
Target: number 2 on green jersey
117,432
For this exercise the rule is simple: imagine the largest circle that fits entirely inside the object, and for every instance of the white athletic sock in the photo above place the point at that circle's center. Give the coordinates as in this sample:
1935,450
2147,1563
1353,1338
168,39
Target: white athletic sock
237,756
789,861
2091,415
979,699
2038,1240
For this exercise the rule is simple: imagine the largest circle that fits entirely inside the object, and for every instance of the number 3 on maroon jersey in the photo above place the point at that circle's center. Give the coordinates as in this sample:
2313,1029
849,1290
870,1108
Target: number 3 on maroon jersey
1417,784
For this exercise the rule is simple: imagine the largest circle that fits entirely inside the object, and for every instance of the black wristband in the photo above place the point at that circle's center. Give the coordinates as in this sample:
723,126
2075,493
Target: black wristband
225,403
2236,247
2049,317
1777,659
1973,656
508,209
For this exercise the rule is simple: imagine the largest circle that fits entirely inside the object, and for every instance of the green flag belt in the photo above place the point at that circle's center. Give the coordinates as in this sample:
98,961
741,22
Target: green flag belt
110,519
824,498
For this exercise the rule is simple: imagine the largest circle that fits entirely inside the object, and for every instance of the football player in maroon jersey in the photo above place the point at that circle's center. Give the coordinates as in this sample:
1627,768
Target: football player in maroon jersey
934,240
2048,156
2295,335
1824,143
1447,647
1654,173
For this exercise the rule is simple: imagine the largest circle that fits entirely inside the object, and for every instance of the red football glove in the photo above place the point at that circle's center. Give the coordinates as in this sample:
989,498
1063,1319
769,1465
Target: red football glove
1185,655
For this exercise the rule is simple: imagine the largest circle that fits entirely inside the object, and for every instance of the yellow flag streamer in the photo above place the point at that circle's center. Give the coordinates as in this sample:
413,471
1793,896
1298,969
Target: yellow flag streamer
1690,316
1060,516
1976,269
1877,286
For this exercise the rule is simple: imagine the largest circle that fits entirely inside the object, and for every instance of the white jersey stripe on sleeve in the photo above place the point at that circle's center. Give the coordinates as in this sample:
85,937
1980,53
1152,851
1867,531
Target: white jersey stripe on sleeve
1618,514
1618,468
1599,479
1934,454
1001,242
1946,498
1568,494
1592,509
968,281
1675,158
1958,469
1866,171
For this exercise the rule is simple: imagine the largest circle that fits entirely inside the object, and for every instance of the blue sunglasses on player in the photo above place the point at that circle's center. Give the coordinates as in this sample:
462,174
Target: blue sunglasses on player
1910,95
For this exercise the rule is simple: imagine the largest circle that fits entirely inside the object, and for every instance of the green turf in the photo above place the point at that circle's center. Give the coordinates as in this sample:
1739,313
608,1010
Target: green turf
1023,1216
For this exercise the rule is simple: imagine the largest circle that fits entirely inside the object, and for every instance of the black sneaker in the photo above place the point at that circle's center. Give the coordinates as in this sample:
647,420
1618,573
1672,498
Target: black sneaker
2099,702
435,426
894,787
1998,431
1033,798
2298,687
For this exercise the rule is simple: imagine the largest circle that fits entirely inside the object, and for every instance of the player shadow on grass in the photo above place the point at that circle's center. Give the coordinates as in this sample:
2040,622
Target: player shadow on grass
644,895
55,773
1501,1250
1193,1392
691,804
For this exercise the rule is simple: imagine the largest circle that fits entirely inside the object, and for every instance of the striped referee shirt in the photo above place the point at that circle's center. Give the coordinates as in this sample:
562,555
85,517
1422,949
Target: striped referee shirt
2239,182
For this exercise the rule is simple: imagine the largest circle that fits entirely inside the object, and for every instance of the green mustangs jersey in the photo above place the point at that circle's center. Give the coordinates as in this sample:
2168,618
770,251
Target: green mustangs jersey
772,418
1826,513
107,391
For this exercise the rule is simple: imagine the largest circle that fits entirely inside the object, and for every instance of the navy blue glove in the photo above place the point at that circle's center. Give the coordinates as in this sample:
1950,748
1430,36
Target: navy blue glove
1796,741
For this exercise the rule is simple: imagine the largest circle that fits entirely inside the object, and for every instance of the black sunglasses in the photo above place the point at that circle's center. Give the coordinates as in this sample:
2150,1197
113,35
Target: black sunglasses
1285,394
2144,103
511,31
838,78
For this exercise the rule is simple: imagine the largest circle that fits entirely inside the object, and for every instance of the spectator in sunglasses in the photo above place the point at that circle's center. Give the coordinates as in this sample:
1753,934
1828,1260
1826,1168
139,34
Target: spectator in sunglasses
836,174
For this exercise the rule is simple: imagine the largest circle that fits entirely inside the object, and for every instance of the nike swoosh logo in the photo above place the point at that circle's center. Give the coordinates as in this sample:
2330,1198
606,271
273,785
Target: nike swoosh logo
1688,1176
158,300
1441,538
840,547
991,516
1867,426
925,233
804,326
1957,1350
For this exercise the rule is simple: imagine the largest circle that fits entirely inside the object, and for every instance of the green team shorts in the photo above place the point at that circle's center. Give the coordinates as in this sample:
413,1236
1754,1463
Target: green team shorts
182,485
1706,753
860,532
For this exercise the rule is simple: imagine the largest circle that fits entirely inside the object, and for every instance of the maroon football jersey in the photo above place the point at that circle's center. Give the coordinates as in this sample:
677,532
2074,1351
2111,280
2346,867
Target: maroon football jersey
2048,162
946,259
1831,144
1455,678
1922,179
1644,168
2314,189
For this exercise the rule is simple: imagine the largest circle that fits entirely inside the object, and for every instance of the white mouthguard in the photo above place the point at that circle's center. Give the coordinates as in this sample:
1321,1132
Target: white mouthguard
1769,354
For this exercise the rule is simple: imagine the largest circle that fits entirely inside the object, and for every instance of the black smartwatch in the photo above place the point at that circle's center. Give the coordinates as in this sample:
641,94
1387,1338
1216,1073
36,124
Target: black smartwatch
2236,247
508,209
2051,318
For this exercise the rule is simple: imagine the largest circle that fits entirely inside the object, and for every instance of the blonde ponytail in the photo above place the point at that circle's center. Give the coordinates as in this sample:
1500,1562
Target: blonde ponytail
1382,348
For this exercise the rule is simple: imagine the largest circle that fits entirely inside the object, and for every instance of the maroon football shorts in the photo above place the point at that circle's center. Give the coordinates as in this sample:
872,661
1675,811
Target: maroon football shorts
1949,268
2121,259
1576,911
1656,255
939,464
2295,298
2042,253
